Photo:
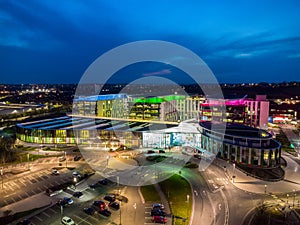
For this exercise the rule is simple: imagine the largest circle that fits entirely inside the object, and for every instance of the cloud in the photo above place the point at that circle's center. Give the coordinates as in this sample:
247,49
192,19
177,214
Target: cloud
161,72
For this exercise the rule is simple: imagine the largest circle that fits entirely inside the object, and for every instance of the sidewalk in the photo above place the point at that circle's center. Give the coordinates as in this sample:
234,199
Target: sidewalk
250,184
35,201
165,202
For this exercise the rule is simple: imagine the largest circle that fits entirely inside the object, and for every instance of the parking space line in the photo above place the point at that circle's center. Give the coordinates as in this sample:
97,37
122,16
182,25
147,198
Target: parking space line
45,186
20,197
46,214
52,210
83,220
40,189
13,199
38,218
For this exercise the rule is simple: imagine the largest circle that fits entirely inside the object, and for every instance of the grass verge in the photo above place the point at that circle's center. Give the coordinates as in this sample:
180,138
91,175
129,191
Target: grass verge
150,194
176,189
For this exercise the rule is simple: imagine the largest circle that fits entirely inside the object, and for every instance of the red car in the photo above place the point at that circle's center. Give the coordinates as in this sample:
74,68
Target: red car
159,219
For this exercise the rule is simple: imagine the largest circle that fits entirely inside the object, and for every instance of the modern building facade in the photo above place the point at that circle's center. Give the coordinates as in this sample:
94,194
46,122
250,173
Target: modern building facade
250,112
241,144
113,121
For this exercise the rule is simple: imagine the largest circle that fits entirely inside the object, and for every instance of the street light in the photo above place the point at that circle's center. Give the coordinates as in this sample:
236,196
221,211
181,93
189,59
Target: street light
233,173
134,206
107,159
294,197
1,170
187,206
120,213
265,189
66,159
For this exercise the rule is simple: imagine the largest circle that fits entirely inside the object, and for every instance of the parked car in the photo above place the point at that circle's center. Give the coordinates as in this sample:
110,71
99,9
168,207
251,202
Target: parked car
89,211
93,186
110,198
158,206
62,202
159,219
67,221
76,174
77,157
99,204
55,172
78,194
161,151
68,200
103,181
150,152
114,205
157,212
105,212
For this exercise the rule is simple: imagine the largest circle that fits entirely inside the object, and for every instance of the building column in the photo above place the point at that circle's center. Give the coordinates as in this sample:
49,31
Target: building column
229,148
236,152
249,156
241,151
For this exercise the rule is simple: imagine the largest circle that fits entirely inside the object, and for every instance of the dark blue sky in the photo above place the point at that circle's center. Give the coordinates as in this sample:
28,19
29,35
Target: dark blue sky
54,41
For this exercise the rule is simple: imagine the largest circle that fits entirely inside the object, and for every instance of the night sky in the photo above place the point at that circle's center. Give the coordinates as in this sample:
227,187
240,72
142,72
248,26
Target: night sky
54,41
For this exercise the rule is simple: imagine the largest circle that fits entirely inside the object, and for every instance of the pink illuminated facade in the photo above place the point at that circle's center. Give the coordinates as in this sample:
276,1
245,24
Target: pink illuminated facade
246,111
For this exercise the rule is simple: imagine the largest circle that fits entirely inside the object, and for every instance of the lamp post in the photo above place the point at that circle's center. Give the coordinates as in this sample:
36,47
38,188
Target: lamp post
1,170
134,206
187,206
294,196
233,173
61,212
65,153
75,181
120,213
265,189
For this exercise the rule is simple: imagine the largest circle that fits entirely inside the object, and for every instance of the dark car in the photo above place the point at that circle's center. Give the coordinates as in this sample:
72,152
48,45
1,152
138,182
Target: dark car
77,157
105,212
114,205
103,181
24,222
161,151
150,152
158,206
62,202
78,194
157,212
93,186
159,219
110,198
197,156
89,211
99,204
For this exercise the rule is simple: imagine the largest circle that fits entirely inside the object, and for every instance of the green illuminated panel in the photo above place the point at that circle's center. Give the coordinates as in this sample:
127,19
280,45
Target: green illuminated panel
157,100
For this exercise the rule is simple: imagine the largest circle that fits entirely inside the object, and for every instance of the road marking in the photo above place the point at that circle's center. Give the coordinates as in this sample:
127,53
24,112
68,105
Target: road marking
57,182
46,214
52,210
82,220
38,218
13,199
40,189
20,197
45,186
